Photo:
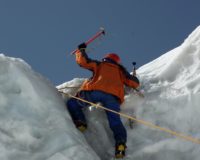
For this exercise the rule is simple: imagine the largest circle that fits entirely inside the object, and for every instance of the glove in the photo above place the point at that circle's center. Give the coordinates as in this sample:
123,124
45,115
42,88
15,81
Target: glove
82,46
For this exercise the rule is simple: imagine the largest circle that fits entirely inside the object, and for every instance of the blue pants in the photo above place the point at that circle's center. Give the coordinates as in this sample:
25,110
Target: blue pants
107,100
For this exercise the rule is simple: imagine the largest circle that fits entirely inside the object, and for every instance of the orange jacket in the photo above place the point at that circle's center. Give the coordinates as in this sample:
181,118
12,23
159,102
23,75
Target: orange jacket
107,77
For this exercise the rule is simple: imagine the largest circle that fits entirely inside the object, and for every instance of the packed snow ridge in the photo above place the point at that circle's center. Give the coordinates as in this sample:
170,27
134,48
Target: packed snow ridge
35,125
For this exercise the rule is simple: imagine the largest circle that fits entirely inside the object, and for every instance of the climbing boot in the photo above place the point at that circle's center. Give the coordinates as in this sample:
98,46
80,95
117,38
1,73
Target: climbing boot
120,150
80,125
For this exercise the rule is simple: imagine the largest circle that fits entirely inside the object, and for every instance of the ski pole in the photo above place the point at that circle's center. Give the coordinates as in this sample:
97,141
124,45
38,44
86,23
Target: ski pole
98,34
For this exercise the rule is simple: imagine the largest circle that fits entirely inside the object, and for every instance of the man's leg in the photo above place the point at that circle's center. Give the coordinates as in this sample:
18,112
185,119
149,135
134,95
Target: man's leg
75,109
116,126
111,102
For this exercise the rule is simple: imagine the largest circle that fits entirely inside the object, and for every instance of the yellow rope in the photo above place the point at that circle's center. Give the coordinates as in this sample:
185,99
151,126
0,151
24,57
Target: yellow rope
151,125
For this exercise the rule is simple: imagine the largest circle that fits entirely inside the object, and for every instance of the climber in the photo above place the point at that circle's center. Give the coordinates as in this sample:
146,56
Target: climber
106,86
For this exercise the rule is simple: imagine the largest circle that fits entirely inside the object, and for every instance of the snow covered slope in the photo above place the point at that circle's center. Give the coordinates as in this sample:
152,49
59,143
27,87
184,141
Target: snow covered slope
172,91
34,123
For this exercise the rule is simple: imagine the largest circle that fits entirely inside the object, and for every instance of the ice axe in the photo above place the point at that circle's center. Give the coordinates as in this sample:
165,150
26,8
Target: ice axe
132,123
98,34
134,74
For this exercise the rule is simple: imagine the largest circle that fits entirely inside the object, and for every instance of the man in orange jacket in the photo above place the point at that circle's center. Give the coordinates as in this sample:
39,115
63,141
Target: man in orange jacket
107,87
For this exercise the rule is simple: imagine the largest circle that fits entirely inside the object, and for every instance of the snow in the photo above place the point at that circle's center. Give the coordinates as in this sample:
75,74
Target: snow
35,125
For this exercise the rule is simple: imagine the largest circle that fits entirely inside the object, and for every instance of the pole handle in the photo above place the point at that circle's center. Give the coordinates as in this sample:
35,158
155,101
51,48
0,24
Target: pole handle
134,68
